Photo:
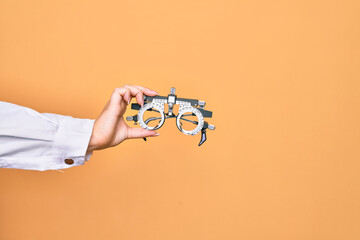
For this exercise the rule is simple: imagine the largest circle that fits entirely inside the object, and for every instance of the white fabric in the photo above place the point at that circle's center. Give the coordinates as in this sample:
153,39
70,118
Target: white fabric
41,141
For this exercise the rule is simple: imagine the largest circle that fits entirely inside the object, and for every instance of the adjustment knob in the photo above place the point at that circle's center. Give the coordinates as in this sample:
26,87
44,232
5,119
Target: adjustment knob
172,91
211,127
202,104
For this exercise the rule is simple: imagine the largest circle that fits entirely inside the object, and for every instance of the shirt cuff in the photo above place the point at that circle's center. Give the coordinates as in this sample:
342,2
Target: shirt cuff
72,140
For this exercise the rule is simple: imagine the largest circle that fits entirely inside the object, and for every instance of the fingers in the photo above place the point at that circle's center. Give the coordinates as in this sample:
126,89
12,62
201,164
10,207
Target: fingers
147,91
140,133
127,92
138,92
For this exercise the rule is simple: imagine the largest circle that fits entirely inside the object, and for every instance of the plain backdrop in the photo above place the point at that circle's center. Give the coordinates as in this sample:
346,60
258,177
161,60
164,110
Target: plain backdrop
282,78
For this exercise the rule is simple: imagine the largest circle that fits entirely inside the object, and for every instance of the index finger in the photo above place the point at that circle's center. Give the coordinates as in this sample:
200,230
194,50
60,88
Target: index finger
147,91
138,93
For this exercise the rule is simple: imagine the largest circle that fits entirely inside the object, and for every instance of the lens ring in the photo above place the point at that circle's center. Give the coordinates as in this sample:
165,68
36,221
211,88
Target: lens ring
157,106
197,113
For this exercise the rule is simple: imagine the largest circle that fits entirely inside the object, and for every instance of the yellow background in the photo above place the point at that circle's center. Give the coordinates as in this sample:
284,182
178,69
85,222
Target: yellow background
282,78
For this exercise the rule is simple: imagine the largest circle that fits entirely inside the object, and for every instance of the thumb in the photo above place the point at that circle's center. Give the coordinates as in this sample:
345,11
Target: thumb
140,133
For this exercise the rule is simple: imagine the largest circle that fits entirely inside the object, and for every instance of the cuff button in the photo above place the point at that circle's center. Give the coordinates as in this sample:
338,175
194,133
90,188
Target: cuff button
69,161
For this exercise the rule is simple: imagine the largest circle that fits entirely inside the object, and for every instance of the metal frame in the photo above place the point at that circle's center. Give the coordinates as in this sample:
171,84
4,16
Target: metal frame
157,104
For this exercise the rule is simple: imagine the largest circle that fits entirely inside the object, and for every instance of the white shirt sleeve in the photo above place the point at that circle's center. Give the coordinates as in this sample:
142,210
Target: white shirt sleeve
42,141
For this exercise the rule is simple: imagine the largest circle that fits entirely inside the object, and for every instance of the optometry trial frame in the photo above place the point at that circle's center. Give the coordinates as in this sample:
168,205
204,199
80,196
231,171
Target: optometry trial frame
187,108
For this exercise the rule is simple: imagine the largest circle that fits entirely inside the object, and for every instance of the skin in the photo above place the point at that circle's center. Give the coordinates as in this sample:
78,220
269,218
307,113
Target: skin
110,128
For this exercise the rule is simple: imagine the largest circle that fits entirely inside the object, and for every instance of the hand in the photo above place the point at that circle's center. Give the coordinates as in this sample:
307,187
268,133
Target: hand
110,128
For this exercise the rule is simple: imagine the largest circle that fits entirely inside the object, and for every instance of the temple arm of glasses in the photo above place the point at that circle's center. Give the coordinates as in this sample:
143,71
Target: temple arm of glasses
155,118
194,122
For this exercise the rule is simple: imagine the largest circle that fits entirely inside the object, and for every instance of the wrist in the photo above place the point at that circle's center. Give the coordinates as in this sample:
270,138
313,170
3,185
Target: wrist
92,145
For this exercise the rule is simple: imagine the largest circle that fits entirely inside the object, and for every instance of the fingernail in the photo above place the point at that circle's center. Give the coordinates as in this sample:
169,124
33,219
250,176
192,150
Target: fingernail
156,92
157,134
128,102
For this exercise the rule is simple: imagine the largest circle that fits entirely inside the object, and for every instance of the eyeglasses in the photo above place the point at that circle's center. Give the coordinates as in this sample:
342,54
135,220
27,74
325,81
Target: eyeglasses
189,120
